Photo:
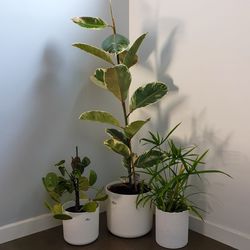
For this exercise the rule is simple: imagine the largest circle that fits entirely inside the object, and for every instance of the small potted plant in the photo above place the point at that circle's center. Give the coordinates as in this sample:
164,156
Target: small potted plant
170,187
80,216
123,217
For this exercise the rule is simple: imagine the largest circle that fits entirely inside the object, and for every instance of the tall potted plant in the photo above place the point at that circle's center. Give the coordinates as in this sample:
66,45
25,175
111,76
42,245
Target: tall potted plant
170,187
124,218
80,216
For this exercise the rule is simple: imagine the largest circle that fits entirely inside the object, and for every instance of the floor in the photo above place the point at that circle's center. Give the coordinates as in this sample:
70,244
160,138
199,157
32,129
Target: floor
52,239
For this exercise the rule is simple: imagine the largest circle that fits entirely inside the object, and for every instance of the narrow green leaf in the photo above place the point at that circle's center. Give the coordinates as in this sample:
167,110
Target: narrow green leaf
90,206
130,56
131,129
115,43
118,135
99,116
149,159
118,80
95,23
94,51
148,94
118,147
92,177
83,183
51,181
98,78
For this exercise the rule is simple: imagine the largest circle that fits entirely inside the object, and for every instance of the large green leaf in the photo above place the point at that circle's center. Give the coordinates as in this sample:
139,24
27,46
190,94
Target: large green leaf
115,43
131,53
147,94
149,159
92,177
98,78
99,116
118,135
83,183
50,181
90,206
133,61
94,51
95,23
131,129
118,147
118,80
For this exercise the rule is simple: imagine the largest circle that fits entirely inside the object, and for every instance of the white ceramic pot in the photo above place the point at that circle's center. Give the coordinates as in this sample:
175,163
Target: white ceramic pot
171,229
83,228
124,219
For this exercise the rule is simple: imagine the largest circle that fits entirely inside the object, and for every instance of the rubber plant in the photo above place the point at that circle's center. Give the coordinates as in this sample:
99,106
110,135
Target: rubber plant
117,51
73,182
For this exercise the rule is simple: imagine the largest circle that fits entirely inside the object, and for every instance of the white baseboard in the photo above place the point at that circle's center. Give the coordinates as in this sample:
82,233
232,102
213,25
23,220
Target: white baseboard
220,233
26,227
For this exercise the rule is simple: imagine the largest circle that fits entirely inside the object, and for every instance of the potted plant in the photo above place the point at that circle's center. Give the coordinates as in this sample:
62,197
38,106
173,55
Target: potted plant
124,218
170,187
80,216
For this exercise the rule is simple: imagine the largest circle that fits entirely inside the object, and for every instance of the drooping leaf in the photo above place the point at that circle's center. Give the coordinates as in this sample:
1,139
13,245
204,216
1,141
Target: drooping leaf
118,135
51,181
130,55
83,183
92,177
122,56
95,23
62,217
94,51
98,78
118,147
99,116
118,80
90,206
131,129
147,94
115,43
149,159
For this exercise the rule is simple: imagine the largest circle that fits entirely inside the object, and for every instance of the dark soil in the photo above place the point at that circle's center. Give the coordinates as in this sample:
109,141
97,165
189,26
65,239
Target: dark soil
125,188
74,209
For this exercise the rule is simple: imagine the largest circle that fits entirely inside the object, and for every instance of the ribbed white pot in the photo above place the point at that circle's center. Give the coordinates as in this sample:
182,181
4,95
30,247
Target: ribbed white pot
124,219
83,228
171,229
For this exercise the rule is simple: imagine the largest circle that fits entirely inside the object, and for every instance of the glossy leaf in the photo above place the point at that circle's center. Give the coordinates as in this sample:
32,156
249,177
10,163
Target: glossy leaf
115,43
118,147
131,53
95,23
92,177
94,51
83,183
90,206
149,159
133,61
98,78
118,135
148,94
118,80
131,129
99,116
51,181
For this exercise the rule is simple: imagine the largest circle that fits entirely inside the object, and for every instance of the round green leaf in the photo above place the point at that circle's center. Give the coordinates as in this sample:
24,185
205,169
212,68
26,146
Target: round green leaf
83,183
51,181
115,43
90,22
92,177
90,206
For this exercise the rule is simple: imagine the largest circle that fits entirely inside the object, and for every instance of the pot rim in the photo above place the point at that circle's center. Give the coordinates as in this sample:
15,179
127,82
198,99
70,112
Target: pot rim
174,213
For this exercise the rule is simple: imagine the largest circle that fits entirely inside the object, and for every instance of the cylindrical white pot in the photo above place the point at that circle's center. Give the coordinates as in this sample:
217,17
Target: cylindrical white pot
171,229
124,219
83,228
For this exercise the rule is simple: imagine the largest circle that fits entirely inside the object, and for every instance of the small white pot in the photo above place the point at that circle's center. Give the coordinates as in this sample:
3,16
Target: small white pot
83,228
124,219
171,229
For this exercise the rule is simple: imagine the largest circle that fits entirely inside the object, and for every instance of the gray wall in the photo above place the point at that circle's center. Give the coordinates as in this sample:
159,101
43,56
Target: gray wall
44,87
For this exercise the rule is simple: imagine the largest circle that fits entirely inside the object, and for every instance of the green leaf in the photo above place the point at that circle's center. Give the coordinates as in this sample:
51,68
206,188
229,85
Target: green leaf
94,51
95,23
130,56
149,159
62,217
60,163
83,183
54,196
92,177
62,170
51,181
101,197
115,43
85,162
98,78
148,94
99,116
122,56
118,147
116,134
90,206
118,80
57,208
131,129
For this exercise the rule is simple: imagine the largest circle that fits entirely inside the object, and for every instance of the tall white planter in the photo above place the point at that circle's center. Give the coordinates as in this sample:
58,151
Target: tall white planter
171,229
124,219
83,228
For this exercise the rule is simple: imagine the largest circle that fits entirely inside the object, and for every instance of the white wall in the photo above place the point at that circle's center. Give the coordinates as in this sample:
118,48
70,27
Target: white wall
44,87
204,46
